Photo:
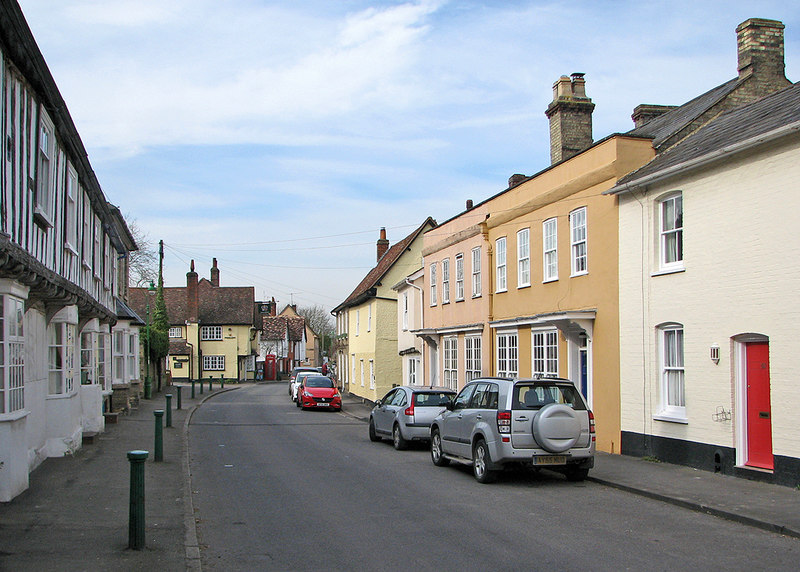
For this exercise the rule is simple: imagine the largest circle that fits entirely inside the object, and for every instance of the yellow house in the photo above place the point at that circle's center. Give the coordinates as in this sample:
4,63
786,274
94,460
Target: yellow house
370,312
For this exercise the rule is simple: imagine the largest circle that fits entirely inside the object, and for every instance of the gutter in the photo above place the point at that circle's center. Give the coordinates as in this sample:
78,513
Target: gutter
698,162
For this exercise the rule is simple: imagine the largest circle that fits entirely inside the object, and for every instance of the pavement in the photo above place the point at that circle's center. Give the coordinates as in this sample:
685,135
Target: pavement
74,515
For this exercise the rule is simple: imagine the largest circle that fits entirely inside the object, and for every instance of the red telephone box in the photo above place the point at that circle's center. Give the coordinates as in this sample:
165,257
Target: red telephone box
270,367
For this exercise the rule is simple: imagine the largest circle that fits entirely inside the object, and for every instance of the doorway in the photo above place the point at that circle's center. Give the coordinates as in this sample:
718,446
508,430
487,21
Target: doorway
758,410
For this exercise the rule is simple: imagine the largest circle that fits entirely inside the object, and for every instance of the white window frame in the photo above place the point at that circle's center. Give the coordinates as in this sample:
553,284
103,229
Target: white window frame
358,321
672,372
578,242
210,334
213,362
103,362
433,284
446,281
97,258
405,311
175,332
12,360
472,358
670,227
507,354
88,354
71,194
413,371
86,250
362,372
459,277
118,356
550,250
524,258
500,265
46,170
372,374
369,317
132,355
544,352
476,272
450,362
60,358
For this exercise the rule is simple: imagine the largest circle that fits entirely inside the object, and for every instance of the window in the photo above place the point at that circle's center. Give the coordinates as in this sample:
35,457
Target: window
362,372
118,356
524,258
550,247
103,379
472,355
413,371
45,184
672,372
545,352
132,355
446,281
353,361
433,284
98,248
358,321
476,272
450,345
671,229
459,277
500,256
213,363
369,318
61,339
176,332
405,310
12,354
87,232
507,354
71,234
88,358
371,374
577,225
210,333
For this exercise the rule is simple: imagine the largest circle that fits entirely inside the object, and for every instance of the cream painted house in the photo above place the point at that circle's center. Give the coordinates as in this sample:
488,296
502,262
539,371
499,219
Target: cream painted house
708,296
371,317
409,319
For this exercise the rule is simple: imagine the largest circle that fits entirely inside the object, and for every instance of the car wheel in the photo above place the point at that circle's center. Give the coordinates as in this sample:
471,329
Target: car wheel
373,436
436,450
397,438
575,475
481,461
297,402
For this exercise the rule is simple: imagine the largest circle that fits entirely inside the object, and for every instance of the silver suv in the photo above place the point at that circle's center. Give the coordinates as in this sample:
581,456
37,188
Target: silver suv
493,422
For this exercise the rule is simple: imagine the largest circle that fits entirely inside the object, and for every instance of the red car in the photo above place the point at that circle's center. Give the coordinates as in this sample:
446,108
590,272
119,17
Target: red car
318,391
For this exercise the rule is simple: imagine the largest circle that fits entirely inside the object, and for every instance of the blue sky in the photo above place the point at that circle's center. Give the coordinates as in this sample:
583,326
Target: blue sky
280,136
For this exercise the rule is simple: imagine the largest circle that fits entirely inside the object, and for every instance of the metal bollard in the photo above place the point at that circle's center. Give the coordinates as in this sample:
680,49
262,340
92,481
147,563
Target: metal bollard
158,444
136,537
192,389
210,389
201,385
221,382
169,409
179,396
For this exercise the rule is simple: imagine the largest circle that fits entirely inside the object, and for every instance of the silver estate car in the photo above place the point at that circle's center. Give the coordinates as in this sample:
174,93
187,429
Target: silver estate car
406,412
543,423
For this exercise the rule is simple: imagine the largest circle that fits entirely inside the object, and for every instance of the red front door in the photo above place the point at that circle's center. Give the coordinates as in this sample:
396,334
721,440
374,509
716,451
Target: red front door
759,422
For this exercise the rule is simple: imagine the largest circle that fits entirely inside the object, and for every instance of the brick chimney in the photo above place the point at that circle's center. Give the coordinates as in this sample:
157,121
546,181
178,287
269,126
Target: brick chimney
570,115
214,274
760,47
645,113
383,244
515,180
192,303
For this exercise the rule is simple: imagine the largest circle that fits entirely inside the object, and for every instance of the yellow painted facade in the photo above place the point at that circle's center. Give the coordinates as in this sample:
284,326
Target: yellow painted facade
237,340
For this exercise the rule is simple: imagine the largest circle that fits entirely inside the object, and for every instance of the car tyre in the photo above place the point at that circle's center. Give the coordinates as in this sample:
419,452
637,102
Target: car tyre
575,475
373,436
481,461
297,403
397,439
437,456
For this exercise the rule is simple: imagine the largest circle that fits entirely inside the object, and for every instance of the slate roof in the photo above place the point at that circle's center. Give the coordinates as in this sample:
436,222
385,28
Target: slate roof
124,312
179,348
373,277
772,112
220,305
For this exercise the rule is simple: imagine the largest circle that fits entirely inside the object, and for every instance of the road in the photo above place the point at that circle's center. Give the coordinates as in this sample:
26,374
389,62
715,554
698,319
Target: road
277,488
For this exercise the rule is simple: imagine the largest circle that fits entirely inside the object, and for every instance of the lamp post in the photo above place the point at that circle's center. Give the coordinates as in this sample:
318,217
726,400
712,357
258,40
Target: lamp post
148,383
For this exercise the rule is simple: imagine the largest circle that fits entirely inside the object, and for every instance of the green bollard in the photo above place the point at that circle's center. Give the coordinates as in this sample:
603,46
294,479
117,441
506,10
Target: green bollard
179,396
158,444
201,385
221,382
192,389
136,537
210,389
169,409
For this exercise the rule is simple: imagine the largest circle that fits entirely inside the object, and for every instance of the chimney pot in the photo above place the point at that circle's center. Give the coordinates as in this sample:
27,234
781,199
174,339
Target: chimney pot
469,204
515,179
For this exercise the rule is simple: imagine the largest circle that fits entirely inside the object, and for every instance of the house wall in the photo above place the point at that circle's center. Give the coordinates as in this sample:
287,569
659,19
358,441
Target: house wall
362,346
739,241
406,339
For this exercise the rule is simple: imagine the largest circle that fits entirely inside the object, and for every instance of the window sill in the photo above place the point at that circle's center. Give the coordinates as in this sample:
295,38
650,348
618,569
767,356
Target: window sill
475,296
522,286
62,395
550,280
578,274
14,416
500,291
459,300
671,418
666,271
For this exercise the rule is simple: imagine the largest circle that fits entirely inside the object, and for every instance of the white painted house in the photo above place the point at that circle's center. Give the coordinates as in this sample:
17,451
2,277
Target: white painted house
409,319
60,243
709,286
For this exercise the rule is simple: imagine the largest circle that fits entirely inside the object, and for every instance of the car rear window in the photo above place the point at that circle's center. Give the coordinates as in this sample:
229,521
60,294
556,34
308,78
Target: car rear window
432,399
318,381
536,396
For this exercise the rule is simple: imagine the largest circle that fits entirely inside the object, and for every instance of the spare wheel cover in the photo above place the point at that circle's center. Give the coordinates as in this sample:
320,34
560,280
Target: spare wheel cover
556,428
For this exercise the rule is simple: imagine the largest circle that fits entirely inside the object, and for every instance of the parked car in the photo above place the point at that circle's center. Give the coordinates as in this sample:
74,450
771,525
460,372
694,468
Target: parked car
493,422
297,370
318,391
405,413
295,383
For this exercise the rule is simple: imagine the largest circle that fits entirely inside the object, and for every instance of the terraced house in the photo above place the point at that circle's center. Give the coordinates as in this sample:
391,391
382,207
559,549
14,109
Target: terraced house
60,247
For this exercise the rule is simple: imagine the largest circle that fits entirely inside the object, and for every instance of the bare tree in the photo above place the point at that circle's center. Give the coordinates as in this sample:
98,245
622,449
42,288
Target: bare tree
320,320
143,263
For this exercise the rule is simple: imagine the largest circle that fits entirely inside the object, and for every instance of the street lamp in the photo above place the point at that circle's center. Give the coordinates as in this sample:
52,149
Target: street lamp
148,383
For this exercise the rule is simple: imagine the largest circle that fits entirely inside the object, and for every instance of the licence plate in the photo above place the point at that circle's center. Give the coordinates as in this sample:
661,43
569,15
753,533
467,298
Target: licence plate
550,460
323,404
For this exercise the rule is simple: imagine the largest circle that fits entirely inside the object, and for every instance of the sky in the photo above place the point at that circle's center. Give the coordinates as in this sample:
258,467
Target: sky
279,136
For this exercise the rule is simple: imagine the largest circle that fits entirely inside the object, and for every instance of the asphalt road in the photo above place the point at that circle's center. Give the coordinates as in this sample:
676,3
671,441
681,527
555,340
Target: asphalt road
277,488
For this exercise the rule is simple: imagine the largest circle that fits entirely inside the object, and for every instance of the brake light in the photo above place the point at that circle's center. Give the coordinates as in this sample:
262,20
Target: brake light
504,421
591,425
410,409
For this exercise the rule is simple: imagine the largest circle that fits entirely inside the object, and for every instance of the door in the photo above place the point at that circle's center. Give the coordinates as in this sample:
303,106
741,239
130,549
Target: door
759,413
583,368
